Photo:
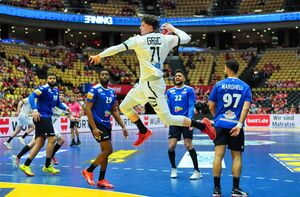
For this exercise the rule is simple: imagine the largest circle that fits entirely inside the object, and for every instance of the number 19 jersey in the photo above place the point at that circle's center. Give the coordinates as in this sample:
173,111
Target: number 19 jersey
151,50
229,96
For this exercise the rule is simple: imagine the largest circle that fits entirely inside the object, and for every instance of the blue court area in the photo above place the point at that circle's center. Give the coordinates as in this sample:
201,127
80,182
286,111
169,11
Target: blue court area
271,165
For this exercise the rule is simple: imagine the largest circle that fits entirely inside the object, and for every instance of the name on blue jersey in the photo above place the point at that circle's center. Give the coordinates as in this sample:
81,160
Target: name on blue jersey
232,87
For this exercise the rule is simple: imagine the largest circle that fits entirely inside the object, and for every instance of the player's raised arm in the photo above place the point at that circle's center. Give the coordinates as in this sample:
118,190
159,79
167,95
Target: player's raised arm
183,37
95,59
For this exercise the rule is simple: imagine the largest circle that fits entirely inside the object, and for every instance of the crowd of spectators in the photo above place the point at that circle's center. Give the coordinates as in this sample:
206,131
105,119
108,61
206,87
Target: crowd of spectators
273,103
51,5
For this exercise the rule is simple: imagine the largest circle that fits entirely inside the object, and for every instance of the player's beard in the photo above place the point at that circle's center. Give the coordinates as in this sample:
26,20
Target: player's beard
52,84
179,83
104,82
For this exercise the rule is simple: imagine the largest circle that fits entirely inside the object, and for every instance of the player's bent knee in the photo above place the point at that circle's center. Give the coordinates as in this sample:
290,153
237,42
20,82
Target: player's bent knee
60,140
168,119
172,148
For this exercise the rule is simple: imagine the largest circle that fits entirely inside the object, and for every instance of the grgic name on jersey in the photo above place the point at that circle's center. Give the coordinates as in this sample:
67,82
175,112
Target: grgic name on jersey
153,41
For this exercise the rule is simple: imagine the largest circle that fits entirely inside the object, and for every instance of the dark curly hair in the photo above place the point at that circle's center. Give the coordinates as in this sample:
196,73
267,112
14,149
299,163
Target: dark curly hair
151,20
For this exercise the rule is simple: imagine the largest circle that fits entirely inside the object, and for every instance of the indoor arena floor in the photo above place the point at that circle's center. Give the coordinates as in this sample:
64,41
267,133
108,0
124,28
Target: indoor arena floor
271,167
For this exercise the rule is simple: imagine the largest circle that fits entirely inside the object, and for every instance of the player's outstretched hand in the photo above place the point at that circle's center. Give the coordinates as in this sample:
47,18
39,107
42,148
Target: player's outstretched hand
125,133
94,59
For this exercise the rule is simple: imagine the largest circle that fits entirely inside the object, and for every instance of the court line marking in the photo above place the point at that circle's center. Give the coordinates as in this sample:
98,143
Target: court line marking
289,181
6,175
72,187
167,171
281,163
274,179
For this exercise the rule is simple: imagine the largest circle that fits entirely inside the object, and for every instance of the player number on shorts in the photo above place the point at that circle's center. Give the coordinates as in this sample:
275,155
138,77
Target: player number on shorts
108,100
153,53
228,99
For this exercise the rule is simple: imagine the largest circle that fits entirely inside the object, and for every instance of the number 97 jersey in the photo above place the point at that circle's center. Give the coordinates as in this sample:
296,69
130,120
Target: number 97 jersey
229,96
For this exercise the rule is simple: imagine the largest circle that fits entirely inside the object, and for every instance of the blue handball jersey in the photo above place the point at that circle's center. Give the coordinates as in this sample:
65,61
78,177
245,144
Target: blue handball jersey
229,96
103,100
47,98
181,101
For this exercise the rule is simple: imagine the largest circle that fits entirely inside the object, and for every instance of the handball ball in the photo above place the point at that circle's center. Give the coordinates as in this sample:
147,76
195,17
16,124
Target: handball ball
164,31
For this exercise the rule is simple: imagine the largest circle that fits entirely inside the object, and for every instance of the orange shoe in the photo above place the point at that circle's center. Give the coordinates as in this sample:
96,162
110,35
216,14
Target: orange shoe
104,184
142,138
209,129
88,176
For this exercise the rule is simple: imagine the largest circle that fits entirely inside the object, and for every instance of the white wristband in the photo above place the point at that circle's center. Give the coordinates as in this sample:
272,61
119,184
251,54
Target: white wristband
239,125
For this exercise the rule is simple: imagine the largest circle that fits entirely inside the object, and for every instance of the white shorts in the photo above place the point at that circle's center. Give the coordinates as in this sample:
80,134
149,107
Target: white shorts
152,92
24,120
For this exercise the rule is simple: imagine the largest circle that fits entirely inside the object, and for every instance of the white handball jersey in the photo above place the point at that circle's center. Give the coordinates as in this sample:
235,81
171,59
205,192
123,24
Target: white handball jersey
57,113
151,50
26,108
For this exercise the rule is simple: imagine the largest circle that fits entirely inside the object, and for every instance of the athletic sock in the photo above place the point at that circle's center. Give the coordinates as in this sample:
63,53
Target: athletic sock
198,125
23,151
48,162
102,174
28,162
193,155
217,181
91,168
24,135
140,125
236,182
172,158
9,139
56,147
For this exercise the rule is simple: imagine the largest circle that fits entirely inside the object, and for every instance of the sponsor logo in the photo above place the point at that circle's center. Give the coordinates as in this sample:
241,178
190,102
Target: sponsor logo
4,125
178,109
38,92
107,113
258,120
230,115
90,95
64,124
146,120
103,20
